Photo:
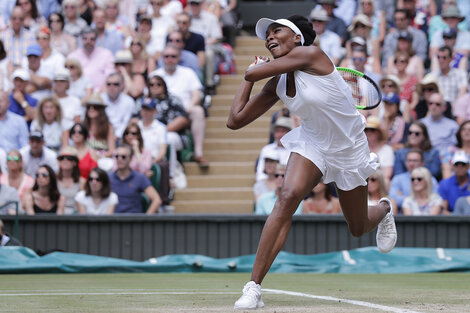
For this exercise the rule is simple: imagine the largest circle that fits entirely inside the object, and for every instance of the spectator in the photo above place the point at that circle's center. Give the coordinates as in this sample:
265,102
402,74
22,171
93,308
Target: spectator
452,18
100,131
459,58
74,24
171,8
154,134
207,24
457,185
193,42
107,38
47,7
70,105
452,81
402,21
9,194
32,19
39,84
226,14
266,201
330,42
134,83
426,87
17,38
129,185
160,26
335,24
141,158
5,239
423,201
462,206
45,197
119,106
394,122
5,69
142,64
170,112
51,59
376,17
61,41
36,154
183,83
188,58
143,33
463,144
13,127
21,102
97,62
321,201
376,188
271,160
80,86
86,8
400,186
415,65
437,22
361,27
418,138
407,81
86,156
116,21
49,122
441,129
282,126
97,198
16,177
69,181
462,107
377,138
360,60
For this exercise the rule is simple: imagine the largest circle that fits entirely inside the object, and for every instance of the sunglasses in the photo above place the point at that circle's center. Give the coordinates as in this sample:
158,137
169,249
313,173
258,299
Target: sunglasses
131,133
70,67
13,158
182,22
434,103
279,175
113,84
359,59
372,179
55,21
73,131
359,25
175,40
66,157
429,89
156,3
155,84
97,179
167,56
414,133
388,85
400,61
43,174
42,37
413,179
122,156
135,44
442,57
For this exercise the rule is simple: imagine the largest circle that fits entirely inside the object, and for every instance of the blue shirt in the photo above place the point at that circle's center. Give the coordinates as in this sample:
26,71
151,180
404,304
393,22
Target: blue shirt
431,157
129,191
265,204
111,40
15,107
441,132
450,190
400,187
13,132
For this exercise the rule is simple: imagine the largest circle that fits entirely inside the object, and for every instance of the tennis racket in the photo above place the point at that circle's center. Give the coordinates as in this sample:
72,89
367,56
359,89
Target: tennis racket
365,91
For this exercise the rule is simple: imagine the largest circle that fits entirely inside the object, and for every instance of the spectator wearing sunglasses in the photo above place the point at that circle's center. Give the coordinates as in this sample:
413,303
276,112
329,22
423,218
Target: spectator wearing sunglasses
422,201
265,203
36,154
457,185
97,198
80,86
69,181
414,66
16,177
8,194
87,157
70,105
129,185
463,144
376,188
141,157
188,58
426,87
45,197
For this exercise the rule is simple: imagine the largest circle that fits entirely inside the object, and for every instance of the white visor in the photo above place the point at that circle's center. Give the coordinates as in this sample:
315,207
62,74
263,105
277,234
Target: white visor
263,24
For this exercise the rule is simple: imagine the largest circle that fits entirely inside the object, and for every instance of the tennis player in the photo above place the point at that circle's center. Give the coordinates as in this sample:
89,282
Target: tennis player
329,146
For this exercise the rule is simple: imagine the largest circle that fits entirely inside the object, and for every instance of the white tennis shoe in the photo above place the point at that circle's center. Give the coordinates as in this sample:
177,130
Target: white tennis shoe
251,298
386,231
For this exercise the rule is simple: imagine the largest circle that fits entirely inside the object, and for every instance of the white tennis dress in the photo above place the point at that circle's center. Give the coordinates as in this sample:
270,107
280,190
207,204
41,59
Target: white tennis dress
332,131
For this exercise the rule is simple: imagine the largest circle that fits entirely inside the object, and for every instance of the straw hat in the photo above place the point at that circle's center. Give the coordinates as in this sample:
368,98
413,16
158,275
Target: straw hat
428,79
374,122
95,99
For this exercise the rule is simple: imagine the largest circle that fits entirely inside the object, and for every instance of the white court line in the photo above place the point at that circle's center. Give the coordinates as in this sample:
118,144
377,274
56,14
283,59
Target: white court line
275,291
355,302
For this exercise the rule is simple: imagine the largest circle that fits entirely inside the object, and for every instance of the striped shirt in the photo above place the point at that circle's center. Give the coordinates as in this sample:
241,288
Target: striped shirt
451,83
16,46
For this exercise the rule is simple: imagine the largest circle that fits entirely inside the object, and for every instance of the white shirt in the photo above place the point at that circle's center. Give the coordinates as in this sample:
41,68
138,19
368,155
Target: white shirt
31,164
91,207
78,88
54,62
206,25
160,27
330,42
52,133
71,107
181,83
119,112
154,135
270,149
3,161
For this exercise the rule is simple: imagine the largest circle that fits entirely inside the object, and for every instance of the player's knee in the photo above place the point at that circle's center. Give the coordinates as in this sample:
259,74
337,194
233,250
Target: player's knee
289,200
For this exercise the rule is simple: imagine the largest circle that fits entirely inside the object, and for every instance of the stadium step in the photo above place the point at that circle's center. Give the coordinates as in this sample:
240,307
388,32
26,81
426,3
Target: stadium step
215,193
205,181
213,207
246,132
221,121
221,168
234,143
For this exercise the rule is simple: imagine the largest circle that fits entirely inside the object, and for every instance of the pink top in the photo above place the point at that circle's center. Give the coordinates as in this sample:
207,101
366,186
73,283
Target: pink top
97,66
26,183
145,163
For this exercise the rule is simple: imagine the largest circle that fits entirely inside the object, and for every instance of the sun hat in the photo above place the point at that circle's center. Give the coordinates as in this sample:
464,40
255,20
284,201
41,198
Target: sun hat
123,56
360,18
271,155
319,14
68,150
374,122
332,2
95,99
428,79
452,11
285,122
263,24
62,74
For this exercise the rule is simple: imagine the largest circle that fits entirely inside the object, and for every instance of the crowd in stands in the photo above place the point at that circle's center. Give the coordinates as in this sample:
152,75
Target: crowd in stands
97,98
417,52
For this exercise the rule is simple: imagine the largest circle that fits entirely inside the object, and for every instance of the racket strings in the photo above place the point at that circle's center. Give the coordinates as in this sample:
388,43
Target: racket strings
363,92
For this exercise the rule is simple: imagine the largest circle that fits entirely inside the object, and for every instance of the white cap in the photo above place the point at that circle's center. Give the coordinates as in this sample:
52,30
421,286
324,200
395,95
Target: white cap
271,154
263,24
20,73
460,156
